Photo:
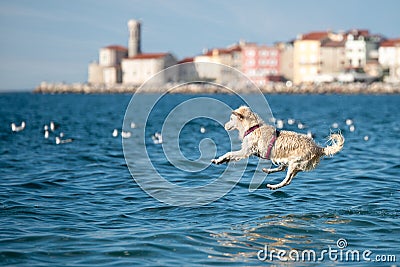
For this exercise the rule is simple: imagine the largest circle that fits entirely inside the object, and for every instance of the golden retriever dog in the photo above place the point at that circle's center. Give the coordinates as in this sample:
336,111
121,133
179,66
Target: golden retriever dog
288,150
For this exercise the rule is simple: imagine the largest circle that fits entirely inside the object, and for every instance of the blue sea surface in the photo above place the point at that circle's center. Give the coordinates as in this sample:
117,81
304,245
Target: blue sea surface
76,204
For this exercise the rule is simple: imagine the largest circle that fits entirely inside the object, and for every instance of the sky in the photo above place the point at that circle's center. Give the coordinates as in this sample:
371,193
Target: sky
54,41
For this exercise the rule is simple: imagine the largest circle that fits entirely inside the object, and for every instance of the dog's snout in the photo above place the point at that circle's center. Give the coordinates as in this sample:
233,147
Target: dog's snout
229,126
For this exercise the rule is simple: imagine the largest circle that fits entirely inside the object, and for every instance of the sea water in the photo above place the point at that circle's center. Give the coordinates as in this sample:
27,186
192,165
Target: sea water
76,203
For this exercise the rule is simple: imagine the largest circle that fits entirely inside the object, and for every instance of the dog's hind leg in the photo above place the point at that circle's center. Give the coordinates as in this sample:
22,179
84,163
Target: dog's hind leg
277,169
289,176
295,171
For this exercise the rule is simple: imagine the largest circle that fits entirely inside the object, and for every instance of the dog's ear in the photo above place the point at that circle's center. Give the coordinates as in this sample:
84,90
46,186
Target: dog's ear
240,116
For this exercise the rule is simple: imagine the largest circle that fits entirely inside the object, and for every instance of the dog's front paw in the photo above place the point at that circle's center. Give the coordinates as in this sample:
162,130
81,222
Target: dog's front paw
219,160
272,187
216,161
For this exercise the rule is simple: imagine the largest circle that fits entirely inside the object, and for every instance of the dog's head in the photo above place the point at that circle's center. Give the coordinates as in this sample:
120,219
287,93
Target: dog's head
240,118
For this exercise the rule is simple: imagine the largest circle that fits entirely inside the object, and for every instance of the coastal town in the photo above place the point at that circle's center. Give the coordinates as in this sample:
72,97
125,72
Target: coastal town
351,61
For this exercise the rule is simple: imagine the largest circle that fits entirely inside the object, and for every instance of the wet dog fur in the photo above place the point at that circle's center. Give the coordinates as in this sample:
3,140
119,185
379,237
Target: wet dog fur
292,151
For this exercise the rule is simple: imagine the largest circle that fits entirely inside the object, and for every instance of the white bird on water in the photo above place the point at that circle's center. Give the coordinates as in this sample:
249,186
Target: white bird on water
126,134
279,124
349,122
157,138
291,121
202,129
62,141
53,126
46,131
301,126
115,133
16,128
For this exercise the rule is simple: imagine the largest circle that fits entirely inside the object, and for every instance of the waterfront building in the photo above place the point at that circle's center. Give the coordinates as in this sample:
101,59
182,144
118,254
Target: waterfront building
134,42
321,56
261,63
361,49
332,57
95,74
307,57
222,57
187,70
141,67
285,60
118,64
389,59
107,70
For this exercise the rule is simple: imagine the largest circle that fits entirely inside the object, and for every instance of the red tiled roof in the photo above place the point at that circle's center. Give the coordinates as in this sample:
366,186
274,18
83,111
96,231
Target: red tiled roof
186,60
220,51
236,48
315,36
117,47
391,42
149,56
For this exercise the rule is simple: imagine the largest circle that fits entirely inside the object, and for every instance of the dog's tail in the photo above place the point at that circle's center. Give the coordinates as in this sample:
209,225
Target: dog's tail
337,142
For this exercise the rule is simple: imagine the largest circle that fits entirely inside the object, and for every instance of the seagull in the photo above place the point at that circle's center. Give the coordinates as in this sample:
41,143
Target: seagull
126,134
53,126
301,126
157,138
279,124
46,131
115,133
16,128
202,129
63,141
349,122
335,125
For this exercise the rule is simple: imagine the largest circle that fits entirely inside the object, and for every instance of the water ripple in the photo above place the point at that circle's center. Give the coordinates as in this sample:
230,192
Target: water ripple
76,204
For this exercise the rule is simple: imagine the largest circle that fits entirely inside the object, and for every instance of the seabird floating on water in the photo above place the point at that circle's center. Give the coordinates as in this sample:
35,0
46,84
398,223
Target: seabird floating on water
291,121
16,128
349,122
126,134
54,126
63,141
279,124
157,138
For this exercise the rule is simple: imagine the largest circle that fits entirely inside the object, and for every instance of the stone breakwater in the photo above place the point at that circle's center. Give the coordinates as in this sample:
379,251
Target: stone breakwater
206,88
